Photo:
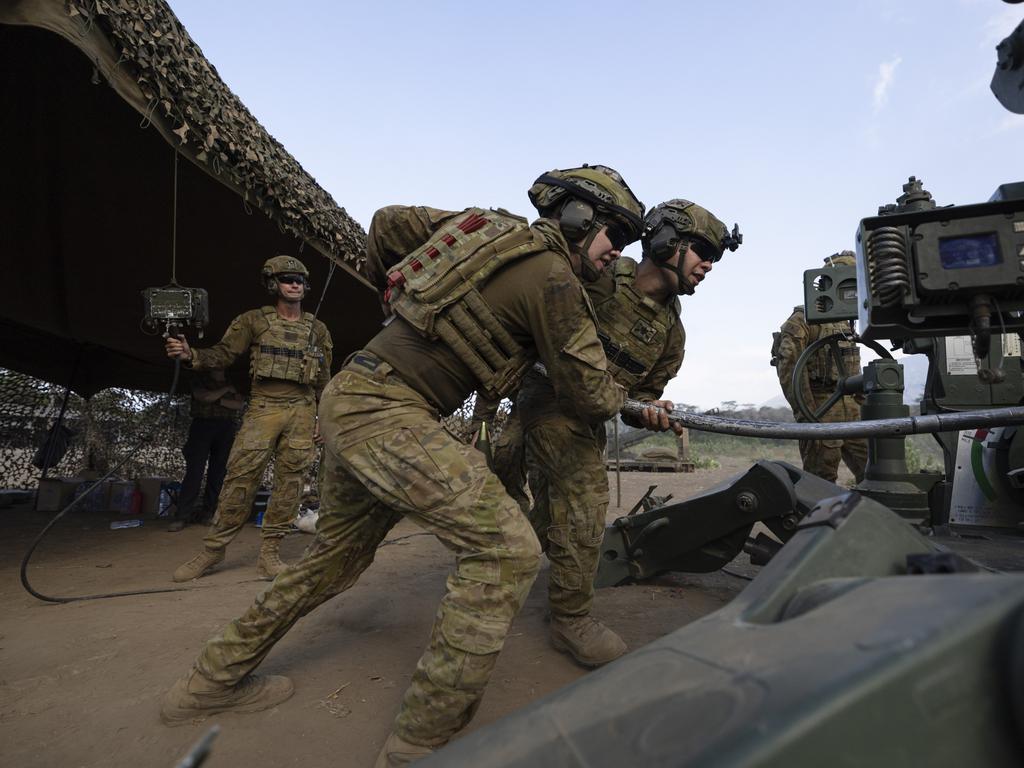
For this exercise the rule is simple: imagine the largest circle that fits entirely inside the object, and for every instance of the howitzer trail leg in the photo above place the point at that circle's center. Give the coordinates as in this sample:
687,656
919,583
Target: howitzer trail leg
705,532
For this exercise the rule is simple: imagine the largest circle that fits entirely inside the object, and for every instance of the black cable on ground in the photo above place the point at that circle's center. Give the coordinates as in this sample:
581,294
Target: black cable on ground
28,555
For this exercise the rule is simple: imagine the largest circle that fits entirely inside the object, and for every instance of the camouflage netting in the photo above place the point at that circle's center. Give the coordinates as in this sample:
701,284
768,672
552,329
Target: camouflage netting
460,422
115,423
186,95
103,429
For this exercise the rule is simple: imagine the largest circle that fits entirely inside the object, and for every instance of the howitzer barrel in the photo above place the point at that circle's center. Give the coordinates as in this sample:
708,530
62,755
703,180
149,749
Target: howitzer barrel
908,425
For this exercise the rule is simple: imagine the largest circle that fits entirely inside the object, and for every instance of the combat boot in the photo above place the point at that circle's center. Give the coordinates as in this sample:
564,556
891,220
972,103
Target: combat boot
588,641
269,563
397,751
195,696
200,565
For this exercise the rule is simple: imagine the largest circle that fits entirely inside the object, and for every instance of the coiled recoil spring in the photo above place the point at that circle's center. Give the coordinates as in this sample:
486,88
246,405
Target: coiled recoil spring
887,265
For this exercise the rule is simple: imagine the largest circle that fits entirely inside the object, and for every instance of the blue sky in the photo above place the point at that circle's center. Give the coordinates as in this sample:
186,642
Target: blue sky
795,119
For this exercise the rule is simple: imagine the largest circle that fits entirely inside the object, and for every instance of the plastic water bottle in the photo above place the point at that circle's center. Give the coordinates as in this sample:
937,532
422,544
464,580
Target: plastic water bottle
115,524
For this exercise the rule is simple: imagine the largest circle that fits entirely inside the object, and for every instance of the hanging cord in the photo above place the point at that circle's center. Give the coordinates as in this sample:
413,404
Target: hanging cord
323,293
310,342
168,408
174,227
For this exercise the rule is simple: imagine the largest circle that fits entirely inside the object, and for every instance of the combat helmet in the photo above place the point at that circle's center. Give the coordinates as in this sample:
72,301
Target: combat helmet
280,265
674,223
584,200
841,259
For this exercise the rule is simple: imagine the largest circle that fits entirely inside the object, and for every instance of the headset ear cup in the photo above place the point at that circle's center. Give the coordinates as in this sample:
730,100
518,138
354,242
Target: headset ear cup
576,219
663,244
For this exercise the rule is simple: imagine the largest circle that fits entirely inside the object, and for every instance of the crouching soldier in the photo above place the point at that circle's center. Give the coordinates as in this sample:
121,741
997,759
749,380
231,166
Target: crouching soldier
637,310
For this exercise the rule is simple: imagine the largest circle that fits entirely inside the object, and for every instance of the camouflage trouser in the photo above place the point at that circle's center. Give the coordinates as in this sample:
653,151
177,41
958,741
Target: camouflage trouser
821,457
569,485
282,429
508,457
387,456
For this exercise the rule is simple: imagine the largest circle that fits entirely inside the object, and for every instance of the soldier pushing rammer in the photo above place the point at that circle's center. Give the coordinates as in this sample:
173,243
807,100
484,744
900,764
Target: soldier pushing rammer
637,309
290,363
478,297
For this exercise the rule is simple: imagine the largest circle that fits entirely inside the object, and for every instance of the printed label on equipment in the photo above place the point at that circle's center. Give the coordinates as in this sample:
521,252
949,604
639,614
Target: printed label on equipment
960,356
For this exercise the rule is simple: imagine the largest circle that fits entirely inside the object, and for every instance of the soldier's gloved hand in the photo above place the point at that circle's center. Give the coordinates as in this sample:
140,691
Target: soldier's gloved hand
655,417
177,347
318,439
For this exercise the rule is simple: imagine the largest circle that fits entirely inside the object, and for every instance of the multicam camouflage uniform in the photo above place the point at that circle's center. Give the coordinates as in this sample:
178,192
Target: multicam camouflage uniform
388,456
278,422
644,343
821,457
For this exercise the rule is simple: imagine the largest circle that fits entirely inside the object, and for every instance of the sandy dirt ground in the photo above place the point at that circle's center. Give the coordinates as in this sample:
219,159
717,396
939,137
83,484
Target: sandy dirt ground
80,683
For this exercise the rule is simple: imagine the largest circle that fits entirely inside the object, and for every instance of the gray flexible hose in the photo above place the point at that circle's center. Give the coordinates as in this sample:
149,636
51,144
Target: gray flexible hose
908,425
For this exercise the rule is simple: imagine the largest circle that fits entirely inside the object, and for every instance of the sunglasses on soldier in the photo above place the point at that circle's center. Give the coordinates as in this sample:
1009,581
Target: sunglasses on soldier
705,250
618,235
290,279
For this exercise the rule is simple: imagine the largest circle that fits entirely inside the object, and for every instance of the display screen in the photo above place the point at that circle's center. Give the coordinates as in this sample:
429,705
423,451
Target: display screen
970,251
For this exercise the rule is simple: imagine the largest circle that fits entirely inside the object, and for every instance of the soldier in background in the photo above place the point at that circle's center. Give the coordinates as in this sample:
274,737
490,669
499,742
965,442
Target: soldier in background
214,412
821,457
637,310
290,362
477,297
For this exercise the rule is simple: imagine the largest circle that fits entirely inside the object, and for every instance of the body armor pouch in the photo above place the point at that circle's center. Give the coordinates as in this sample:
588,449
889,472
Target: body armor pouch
633,328
436,290
286,352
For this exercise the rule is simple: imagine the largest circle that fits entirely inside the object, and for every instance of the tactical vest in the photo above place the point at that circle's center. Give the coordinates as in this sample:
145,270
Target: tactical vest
436,289
632,327
821,368
287,350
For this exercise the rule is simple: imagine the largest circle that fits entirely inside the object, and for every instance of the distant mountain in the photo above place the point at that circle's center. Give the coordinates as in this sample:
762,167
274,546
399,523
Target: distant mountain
776,402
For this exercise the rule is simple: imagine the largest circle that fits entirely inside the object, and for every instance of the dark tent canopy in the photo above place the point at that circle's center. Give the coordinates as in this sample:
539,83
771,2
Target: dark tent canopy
98,97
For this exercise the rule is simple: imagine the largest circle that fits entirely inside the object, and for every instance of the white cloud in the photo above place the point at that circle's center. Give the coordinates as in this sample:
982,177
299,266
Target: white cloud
1010,123
1000,25
886,70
